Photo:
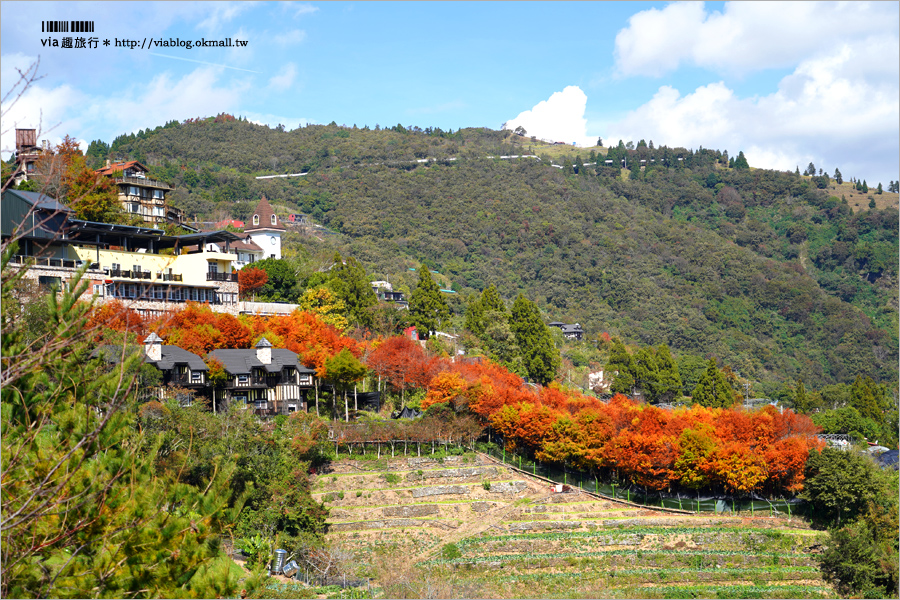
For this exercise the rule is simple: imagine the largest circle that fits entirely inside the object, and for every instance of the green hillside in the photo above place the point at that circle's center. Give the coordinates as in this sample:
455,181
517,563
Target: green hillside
766,270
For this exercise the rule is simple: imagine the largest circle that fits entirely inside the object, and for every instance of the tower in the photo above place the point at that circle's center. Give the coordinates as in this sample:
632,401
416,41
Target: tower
265,229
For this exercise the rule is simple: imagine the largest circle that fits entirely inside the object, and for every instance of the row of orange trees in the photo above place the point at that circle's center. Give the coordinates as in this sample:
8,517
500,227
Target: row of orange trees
686,448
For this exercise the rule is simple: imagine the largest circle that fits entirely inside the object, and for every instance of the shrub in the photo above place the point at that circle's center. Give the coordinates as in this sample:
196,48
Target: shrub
486,485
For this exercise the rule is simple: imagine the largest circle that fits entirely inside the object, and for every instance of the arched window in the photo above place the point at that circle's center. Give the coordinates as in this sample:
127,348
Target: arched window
274,222
256,219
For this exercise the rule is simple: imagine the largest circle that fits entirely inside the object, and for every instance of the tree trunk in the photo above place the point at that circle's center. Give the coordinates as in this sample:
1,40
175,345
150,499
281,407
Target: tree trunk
317,397
346,407
355,401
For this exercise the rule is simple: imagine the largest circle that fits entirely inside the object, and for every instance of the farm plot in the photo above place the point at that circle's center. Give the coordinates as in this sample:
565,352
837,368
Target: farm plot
496,533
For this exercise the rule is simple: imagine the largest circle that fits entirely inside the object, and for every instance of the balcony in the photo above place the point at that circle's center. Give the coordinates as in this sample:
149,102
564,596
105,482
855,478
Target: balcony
145,182
171,277
221,277
129,274
52,262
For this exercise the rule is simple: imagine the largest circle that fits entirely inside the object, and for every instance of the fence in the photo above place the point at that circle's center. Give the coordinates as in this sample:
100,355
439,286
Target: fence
637,495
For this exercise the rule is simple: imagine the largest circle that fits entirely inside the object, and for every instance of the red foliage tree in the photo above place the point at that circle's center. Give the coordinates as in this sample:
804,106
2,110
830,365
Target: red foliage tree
250,279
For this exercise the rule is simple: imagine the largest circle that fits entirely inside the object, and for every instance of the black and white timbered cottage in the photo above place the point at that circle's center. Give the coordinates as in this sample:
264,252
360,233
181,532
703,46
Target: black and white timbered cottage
270,381
183,372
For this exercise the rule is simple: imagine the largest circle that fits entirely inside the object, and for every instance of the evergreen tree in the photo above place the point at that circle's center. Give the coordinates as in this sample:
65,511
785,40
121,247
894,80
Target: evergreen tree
427,307
621,368
837,176
668,378
646,374
879,190
713,390
475,316
865,187
539,353
741,161
810,170
85,513
350,284
491,300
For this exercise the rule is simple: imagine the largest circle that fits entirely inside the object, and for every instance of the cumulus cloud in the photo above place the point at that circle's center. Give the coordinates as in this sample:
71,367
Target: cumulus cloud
744,36
560,118
832,110
199,93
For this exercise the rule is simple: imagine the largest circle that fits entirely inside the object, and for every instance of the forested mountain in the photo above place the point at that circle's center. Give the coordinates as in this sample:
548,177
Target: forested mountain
770,272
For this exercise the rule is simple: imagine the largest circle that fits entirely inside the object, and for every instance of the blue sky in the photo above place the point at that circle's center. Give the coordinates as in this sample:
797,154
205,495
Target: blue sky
787,83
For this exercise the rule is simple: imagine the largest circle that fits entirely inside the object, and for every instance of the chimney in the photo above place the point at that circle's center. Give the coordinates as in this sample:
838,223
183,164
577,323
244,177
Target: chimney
153,347
264,351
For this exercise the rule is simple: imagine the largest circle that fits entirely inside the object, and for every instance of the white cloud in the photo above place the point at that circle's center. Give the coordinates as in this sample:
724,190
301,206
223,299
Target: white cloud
831,110
284,79
745,36
290,38
301,9
220,13
560,118
199,93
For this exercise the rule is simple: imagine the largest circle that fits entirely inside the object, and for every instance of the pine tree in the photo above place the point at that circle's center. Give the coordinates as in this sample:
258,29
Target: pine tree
84,512
879,190
865,187
741,161
810,170
539,353
427,308
713,390
837,176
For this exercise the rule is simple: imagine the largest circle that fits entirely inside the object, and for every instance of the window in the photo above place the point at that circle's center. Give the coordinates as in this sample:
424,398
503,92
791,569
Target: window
213,267
243,379
133,190
305,379
256,219
45,281
274,221
158,194
196,376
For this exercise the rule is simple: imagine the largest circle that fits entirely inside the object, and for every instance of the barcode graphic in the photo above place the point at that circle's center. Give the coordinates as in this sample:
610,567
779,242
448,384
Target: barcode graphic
67,27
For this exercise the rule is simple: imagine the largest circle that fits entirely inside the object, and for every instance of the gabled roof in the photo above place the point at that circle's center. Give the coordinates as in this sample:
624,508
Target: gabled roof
241,362
171,356
121,166
265,212
40,201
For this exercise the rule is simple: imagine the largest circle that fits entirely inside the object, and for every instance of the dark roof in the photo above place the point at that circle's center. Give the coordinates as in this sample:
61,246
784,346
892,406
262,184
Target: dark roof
240,362
265,212
572,328
171,356
889,459
41,201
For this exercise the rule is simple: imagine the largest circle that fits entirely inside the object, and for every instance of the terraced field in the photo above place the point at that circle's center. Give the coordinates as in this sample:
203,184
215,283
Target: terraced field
467,526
